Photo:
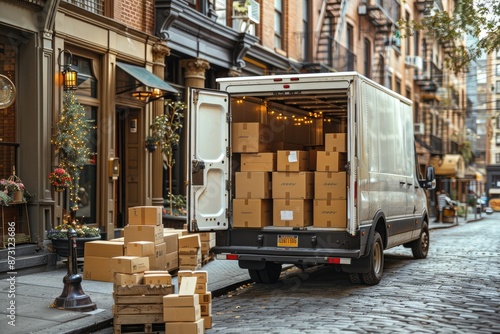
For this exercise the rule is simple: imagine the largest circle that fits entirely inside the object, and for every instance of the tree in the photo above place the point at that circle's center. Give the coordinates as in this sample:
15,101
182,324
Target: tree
166,131
71,137
477,18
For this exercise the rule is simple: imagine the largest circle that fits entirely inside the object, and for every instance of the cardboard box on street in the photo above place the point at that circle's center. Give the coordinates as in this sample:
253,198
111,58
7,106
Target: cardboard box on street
145,215
129,264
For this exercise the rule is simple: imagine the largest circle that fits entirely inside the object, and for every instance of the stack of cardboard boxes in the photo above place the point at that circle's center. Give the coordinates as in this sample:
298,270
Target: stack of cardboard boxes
189,311
144,236
330,183
190,252
292,190
207,240
307,187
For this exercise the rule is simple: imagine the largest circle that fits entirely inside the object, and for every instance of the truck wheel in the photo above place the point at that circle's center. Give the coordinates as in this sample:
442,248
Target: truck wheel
420,247
377,261
269,275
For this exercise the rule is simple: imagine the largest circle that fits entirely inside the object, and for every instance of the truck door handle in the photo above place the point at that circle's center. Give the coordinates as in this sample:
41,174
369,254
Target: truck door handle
402,183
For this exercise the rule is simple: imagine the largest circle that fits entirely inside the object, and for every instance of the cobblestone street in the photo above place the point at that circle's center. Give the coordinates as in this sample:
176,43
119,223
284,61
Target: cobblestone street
455,290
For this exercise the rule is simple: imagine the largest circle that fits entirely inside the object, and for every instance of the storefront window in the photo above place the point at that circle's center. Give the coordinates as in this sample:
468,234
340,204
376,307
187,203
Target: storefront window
88,176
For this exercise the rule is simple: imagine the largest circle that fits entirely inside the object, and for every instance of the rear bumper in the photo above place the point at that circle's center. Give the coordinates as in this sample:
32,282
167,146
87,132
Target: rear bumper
287,255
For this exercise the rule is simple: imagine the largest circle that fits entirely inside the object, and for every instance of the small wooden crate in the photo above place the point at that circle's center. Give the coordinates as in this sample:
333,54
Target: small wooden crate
139,305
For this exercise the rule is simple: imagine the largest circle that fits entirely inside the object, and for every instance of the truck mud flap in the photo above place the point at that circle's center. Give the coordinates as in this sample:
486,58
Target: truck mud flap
359,266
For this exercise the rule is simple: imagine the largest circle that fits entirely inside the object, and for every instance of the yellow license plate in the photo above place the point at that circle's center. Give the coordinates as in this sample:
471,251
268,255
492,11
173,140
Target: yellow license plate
288,240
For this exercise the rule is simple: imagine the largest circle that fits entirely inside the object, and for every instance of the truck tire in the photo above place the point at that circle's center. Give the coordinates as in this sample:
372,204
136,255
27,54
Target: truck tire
374,276
420,247
355,278
269,275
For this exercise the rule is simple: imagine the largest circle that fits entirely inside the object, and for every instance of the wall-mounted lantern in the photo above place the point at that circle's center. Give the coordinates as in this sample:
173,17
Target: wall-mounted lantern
70,74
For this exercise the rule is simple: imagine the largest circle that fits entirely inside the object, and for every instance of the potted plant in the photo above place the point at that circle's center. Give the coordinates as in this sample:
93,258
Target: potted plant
59,236
166,129
151,143
12,187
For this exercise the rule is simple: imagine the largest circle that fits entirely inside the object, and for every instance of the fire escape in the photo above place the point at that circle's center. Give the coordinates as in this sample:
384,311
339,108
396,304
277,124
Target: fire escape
330,54
382,16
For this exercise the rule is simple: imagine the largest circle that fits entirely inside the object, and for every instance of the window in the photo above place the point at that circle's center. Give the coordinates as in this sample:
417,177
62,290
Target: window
497,139
350,47
278,24
367,59
398,86
220,10
306,43
93,6
407,39
498,88
497,158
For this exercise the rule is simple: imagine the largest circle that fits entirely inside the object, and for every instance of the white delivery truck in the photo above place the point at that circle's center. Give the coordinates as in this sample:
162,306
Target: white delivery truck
305,169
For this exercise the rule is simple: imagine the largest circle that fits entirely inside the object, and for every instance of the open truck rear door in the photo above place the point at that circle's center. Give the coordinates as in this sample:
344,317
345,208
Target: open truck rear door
208,144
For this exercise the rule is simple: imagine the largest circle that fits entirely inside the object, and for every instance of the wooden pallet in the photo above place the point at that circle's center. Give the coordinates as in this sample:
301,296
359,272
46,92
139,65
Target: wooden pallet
139,305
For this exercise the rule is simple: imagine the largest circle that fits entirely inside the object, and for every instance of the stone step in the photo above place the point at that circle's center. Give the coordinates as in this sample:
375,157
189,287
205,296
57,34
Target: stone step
19,250
28,264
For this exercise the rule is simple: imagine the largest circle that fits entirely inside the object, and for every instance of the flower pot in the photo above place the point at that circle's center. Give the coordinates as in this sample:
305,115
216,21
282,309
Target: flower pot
151,147
17,197
61,246
59,189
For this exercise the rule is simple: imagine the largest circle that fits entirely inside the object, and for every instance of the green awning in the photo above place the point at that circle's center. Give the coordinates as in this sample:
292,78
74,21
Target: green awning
146,78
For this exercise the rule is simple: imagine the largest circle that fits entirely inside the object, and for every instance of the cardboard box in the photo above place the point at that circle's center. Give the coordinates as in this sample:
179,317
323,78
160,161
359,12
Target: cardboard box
292,161
335,142
152,233
103,248
181,314
157,279
202,276
97,268
299,185
190,259
207,236
140,248
207,319
174,300
193,327
129,264
201,288
187,286
331,161
253,213
292,212
253,185
250,137
330,213
258,162
206,246
128,279
206,309
189,241
330,185
206,297
172,261
171,240
145,215
158,260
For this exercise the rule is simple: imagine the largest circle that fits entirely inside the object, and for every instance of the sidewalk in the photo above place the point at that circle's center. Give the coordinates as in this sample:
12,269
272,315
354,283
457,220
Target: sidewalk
34,293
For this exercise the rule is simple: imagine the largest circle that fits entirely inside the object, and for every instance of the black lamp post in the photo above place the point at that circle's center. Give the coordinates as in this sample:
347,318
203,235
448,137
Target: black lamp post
73,298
